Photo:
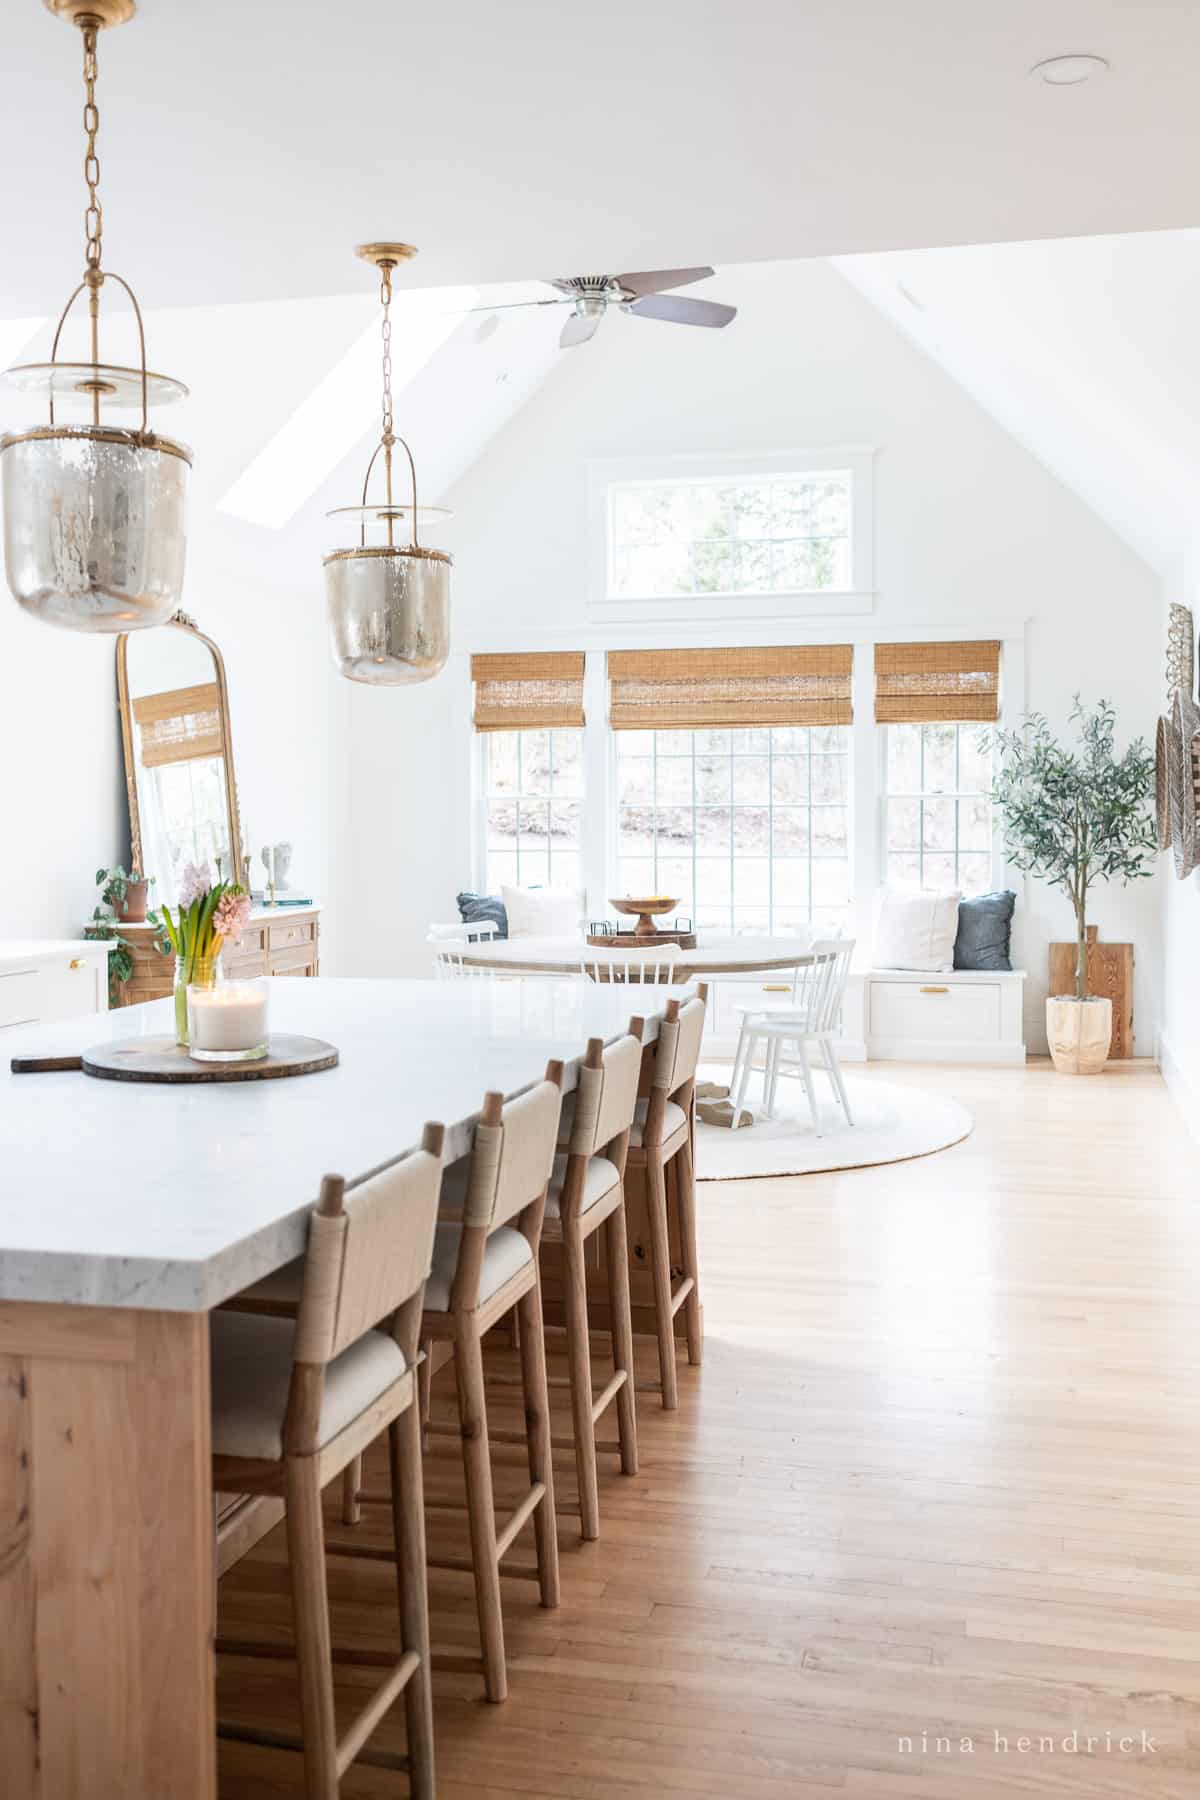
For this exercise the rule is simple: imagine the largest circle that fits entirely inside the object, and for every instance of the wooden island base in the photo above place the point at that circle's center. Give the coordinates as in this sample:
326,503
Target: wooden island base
106,1582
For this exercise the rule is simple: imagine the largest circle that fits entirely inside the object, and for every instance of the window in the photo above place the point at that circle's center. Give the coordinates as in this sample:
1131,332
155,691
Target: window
533,793
748,829
752,534
939,812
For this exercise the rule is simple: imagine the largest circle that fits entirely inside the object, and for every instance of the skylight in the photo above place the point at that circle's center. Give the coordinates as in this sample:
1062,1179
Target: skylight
327,425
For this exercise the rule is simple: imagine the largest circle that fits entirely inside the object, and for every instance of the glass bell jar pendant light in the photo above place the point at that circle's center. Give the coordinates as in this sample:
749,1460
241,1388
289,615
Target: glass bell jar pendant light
389,602
94,512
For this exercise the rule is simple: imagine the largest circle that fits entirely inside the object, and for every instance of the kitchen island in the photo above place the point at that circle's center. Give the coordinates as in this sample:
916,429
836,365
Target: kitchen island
127,1212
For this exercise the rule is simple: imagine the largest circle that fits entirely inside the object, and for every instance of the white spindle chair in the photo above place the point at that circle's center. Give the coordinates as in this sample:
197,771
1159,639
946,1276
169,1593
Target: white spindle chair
637,968
812,1017
450,964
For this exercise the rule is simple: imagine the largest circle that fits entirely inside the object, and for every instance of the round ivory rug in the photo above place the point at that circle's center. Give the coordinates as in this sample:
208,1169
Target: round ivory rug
891,1123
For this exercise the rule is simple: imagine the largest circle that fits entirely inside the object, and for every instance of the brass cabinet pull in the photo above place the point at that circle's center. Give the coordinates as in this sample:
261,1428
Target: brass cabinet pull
77,962
776,987
935,990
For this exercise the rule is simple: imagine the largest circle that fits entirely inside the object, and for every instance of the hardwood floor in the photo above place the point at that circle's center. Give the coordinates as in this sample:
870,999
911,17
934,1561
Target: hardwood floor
940,1472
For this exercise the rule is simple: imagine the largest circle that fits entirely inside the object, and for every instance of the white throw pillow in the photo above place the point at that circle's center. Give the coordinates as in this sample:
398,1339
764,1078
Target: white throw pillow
916,931
542,912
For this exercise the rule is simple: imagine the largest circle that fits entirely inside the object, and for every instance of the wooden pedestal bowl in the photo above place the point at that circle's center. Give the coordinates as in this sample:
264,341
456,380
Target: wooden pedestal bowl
645,911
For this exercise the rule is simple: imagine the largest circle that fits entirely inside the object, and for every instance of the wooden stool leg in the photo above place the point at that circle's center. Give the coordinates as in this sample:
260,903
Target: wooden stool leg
685,1200
660,1271
481,1508
351,1484
579,1368
425,1389
408,1526
310,1606
536,1393
616,1246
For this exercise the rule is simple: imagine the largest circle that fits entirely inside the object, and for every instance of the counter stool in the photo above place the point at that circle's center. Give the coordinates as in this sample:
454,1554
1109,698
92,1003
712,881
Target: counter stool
483,1269
661,1147
587,1192
294,1401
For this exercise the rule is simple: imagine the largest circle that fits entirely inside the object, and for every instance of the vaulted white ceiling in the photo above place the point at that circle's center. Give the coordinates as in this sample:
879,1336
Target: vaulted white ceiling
246,147
1086,350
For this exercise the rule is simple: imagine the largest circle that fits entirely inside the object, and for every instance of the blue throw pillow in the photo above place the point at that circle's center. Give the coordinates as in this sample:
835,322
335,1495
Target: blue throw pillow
984,931
476,908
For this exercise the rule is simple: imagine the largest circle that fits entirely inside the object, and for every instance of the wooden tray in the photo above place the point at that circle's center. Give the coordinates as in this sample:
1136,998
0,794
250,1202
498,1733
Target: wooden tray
161,1059
628,940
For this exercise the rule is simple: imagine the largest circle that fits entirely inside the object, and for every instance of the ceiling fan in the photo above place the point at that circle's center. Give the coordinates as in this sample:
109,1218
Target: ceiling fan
643,294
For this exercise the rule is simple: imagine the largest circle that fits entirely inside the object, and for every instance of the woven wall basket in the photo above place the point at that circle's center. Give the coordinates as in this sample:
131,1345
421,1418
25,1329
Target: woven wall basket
1181,666
1183,776
1162,792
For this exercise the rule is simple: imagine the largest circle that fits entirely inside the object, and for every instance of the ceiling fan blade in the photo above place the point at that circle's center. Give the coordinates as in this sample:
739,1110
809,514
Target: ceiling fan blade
578,329
653,281
678,309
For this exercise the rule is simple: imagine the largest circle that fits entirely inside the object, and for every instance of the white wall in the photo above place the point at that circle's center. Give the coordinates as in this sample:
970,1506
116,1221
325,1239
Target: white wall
971,532
1180,1042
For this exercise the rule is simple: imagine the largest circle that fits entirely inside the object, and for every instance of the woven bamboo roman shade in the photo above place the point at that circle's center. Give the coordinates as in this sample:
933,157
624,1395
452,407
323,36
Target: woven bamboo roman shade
669,690
528,691
180,726
918,684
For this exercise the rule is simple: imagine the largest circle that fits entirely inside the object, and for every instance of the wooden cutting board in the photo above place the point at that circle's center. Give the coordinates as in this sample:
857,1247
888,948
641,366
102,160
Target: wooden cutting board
1109,972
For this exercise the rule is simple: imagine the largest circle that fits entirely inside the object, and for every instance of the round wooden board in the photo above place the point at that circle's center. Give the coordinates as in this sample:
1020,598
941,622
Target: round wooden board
162,1059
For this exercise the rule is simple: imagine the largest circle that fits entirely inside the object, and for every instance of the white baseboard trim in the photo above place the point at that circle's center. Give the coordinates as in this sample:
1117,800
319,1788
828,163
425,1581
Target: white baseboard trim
1181,1072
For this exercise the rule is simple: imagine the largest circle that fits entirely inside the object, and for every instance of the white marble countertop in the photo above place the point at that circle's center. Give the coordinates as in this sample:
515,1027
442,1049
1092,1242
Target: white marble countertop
172,1198
22,950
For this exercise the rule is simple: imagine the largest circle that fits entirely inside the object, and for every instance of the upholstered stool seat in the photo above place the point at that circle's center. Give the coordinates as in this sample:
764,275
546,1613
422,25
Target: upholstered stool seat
505,1254
600,1178
674,1119
252,1357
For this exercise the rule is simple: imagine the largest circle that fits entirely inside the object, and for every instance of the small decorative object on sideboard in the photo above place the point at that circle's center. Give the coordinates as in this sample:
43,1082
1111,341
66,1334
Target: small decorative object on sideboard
1074,818
126,892
277,860
208,913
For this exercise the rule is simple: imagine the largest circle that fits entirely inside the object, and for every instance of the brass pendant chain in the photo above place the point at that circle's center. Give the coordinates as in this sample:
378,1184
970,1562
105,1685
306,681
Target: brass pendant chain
93,218
389,438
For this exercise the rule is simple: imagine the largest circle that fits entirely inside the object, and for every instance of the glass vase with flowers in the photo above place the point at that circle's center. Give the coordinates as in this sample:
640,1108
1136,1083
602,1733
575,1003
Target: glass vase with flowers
209,913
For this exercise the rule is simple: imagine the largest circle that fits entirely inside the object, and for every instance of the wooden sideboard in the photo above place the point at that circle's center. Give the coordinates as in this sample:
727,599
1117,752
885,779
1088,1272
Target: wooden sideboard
279,940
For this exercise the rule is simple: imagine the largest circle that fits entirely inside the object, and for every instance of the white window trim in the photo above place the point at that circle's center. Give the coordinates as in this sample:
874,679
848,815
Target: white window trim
604,474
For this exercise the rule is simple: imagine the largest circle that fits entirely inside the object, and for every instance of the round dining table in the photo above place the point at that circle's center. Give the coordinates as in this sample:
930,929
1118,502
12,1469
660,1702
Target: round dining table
714,954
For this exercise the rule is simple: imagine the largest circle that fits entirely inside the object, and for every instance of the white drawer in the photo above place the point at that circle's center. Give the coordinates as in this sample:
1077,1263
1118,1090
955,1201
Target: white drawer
19,1001
934,1012
724,998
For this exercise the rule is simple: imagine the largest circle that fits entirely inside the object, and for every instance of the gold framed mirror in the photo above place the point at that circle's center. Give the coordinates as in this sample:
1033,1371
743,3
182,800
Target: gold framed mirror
179,774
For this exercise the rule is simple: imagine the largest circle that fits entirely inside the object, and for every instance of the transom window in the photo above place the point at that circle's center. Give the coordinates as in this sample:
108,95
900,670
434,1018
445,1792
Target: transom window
938,806
769,534
746,828
533,798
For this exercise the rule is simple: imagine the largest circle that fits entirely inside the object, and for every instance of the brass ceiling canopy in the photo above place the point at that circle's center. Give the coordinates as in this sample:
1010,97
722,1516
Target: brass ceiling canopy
389,603
95,513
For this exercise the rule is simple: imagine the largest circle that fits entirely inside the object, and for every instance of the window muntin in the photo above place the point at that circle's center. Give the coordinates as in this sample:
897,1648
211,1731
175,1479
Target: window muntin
938,831
533,804
748,829
769,534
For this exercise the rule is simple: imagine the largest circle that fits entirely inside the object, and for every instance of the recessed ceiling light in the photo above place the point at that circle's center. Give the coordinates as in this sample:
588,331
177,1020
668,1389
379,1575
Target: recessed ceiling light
1069,71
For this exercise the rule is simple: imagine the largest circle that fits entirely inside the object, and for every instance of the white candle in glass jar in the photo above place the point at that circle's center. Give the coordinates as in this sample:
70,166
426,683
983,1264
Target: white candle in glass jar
227,1020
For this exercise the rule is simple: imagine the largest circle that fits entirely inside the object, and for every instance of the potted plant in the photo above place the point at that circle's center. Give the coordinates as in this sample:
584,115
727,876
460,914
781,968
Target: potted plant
102,928
1075,817
126,892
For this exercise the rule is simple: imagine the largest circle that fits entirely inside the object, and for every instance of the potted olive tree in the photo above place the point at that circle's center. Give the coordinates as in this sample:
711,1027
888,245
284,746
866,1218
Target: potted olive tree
1073,818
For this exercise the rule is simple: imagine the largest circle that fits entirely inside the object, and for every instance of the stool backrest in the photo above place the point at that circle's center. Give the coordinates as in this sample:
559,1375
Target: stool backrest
512,1157
678,1050
369,1251
607,1094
